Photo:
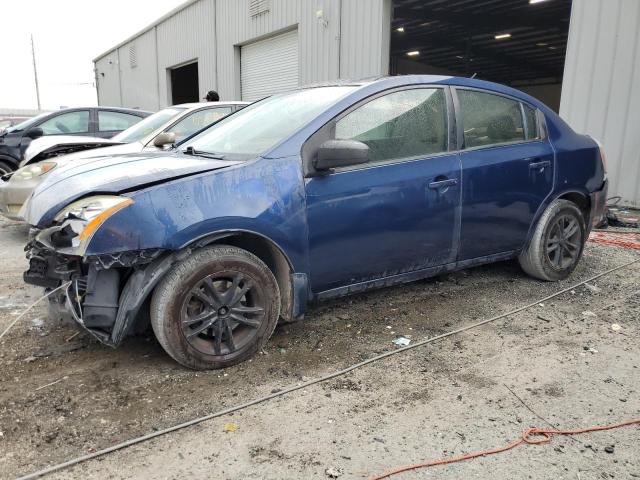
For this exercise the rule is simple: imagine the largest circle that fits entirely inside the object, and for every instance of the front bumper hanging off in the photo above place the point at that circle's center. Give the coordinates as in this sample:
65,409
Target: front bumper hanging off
105,292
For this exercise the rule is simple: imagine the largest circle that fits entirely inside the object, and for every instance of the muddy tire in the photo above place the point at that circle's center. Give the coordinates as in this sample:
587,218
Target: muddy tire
216,308
557,243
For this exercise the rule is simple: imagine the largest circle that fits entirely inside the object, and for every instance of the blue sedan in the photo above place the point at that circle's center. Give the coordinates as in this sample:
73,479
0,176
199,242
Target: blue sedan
308,195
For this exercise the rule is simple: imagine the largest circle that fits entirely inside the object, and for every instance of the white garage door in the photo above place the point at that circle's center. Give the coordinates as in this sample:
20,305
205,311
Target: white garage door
269,66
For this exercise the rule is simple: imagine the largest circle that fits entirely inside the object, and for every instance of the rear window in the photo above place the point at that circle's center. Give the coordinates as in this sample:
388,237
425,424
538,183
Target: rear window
489,119
118,121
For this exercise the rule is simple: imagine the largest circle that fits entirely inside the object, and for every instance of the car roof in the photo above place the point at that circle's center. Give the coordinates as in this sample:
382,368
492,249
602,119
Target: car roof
123,110
382,83
135,111
208,104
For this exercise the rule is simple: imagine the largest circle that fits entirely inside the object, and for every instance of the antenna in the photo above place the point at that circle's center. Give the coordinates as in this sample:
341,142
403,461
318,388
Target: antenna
35,71
474,75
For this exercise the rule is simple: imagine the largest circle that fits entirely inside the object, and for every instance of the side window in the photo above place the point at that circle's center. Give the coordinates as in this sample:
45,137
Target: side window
197,120
532,122
110,121
72,122
489,119
402,124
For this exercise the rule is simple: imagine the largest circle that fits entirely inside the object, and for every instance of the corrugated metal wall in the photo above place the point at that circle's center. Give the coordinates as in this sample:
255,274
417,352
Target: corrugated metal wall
601,86
142,87
337,39
188,35
108,80
366,31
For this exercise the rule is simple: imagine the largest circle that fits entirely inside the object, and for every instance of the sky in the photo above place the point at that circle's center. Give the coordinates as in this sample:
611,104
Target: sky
68,35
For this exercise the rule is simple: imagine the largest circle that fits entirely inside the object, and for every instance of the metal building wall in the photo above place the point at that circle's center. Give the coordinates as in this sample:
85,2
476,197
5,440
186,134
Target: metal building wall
188,35
319,49
235,26
141,82
337,39
601,86
366,33
108,80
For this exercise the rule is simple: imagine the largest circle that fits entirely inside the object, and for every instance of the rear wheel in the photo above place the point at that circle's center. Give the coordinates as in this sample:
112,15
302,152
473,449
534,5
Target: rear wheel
557,242
215,309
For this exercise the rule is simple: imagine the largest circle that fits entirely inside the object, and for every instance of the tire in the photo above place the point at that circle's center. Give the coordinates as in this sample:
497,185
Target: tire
5,168
215,309
557,243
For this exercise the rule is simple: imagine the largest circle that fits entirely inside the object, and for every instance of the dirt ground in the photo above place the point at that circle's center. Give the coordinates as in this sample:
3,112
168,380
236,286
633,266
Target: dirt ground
62,397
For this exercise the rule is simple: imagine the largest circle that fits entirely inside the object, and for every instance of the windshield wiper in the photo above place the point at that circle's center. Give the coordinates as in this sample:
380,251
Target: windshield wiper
201,153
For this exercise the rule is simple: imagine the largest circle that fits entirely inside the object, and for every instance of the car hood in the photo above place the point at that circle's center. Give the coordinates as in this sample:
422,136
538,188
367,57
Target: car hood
110,174
53,145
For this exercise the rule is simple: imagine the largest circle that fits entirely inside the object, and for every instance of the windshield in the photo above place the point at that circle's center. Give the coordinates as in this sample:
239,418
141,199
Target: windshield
148,125
27,123
260,126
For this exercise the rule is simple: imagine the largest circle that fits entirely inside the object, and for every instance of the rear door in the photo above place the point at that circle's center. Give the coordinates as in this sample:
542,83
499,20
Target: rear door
396,214
507,171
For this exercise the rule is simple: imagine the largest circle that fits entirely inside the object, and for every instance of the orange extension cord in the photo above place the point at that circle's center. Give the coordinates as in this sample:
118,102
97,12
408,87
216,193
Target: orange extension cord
528,437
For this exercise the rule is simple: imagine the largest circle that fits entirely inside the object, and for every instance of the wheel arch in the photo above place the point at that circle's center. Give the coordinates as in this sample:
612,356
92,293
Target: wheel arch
579,197
10,160
267,250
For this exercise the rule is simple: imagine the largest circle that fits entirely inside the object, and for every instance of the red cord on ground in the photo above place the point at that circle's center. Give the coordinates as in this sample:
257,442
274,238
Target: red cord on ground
532,436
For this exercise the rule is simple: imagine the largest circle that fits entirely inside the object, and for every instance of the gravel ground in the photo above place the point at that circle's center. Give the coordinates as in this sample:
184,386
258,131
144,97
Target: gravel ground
62,397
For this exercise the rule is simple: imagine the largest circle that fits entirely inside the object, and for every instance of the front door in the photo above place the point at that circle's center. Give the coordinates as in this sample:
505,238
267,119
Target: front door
398,213
507,169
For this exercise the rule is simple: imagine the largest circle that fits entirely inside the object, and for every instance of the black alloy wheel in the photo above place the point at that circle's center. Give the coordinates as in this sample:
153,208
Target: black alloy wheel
222,313
564,242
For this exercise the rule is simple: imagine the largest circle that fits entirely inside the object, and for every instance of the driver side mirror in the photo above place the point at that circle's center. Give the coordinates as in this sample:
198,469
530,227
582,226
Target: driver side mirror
35,132
163,139
340,153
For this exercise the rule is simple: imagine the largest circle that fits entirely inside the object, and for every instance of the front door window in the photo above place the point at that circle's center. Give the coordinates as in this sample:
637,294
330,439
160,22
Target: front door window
67,123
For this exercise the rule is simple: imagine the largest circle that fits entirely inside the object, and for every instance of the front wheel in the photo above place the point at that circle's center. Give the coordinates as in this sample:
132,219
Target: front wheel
5,168
216,308
557,243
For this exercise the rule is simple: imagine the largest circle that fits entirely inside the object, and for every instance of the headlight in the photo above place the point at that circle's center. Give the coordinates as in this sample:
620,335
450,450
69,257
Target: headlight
30,171
85,216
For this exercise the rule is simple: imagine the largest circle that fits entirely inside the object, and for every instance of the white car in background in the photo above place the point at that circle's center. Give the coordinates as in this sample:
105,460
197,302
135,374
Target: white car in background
157,131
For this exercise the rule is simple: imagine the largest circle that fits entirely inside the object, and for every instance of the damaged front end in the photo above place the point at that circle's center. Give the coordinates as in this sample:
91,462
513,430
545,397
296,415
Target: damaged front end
105,292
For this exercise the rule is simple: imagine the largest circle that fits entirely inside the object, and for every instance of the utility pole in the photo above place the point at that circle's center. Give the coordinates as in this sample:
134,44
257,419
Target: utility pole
35,71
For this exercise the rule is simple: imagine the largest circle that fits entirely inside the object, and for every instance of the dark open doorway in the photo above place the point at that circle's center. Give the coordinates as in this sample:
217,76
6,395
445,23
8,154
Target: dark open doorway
184,84
521,43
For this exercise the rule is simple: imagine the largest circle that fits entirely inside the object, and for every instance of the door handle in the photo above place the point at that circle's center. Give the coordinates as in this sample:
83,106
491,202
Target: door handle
539,165
443,183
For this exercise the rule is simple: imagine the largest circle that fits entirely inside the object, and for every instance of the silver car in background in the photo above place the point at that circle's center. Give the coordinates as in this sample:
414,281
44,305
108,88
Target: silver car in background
157,131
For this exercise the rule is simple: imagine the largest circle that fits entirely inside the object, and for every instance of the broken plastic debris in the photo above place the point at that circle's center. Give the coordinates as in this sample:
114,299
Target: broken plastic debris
588,313
229,427
333,472
402,341
616,327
